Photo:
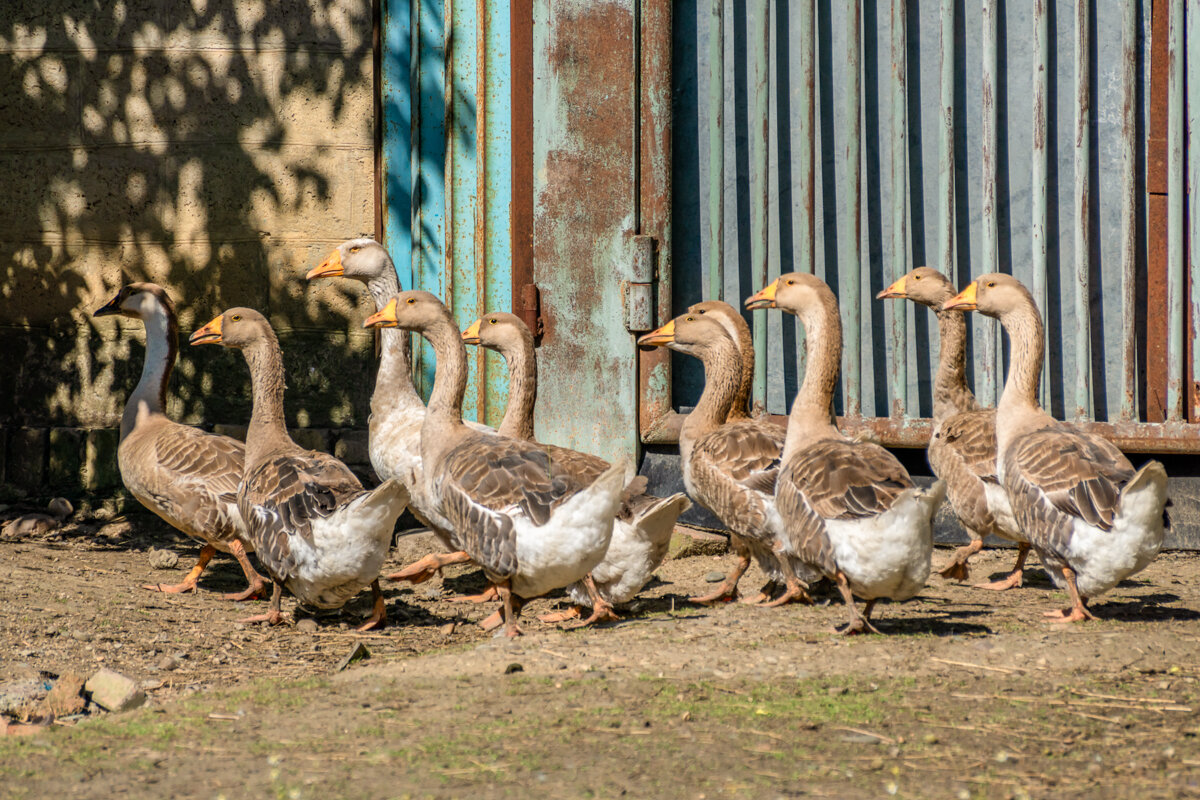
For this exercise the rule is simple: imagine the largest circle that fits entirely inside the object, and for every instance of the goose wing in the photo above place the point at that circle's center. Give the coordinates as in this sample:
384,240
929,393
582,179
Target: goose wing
197,477
963,453
284,495
486,479
733,470
1062,474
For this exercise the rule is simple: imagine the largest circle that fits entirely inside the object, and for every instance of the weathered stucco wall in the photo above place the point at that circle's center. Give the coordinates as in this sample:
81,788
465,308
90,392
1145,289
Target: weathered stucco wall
218,147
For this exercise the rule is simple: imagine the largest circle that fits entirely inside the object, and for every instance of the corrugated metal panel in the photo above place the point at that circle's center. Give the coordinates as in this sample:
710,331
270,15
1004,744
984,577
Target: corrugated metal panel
447,168
1061,191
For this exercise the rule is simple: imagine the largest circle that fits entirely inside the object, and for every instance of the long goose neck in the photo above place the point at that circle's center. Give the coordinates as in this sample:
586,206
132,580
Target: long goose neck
522,389
393,383
450,379
162,344
740,409
267,432
811,417
1026,343
950,392
722,374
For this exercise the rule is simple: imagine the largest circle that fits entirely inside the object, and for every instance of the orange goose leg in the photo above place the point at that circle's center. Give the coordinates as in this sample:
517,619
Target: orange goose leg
728,589
425,568
1078,610
273,616
258,584
506,614
378,616
602,610
957,569
1015,578
487,595
859,623
188,584
794,590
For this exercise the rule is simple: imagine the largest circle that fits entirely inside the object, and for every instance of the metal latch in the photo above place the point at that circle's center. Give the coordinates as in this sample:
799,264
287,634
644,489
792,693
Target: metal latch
530,308
639,289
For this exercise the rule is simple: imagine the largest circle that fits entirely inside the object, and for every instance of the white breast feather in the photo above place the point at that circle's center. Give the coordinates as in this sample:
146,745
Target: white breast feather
1001,509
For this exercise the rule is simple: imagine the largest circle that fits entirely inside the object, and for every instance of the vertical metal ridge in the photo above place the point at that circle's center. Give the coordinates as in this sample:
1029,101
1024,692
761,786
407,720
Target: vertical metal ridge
1128,209
716,151
1038,167
521,128
1082,203
988,354
807,180
760,139
945,201
1175,206
1193,112
481,205
899,137
851,265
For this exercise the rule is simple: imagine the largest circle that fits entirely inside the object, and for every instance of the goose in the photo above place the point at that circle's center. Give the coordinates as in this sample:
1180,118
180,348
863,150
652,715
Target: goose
397,411
729,467
739,330
186,476
1092,518
848,507
962,450
643,528
531,524
315,528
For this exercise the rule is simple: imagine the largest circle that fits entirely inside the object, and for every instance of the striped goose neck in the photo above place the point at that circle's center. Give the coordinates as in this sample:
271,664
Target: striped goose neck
522,389
267,432
950,392
162,346
811,415
393,382
722,374
740,409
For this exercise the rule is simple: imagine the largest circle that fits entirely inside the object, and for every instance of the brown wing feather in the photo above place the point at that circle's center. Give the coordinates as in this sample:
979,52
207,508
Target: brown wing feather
804,530
963,453
1061,474
733,470
848,480
484,476
282,496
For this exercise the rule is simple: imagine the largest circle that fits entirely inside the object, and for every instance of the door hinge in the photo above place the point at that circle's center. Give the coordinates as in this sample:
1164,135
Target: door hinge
530,309
639,289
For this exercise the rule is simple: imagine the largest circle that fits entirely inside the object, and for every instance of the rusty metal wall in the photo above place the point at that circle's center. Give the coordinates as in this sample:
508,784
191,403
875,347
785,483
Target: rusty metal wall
1051,191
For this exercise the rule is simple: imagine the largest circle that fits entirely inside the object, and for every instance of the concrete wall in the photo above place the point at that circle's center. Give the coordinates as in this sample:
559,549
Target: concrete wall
217,147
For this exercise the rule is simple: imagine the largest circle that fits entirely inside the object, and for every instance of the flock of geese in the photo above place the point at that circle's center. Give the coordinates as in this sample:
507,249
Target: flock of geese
806,503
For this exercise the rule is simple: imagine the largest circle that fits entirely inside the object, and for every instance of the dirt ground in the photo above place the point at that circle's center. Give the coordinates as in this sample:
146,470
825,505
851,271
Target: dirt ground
969,695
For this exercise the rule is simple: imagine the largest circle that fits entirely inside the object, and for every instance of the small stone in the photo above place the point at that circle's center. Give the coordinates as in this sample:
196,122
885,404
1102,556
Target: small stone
65,698
448,628
163,559
715,577
837,691
82,636
112,691
930,738
513,667
1003,757
167,663
307,625
1168,752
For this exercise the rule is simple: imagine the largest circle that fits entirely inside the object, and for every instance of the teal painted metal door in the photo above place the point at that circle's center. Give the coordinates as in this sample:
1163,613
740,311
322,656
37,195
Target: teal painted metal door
447,190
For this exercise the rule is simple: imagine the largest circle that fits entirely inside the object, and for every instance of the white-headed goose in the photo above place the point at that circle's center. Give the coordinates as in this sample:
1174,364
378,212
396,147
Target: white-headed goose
1092,518
962,450
849,508
531,525
397,411
316,529
729,467
642,531
184,475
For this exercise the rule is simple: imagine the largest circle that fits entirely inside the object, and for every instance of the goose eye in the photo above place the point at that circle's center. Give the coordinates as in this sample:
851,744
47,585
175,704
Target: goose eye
492,321
355,249
991,284
702,311
411,300
791,282
690,319
236,317
916,277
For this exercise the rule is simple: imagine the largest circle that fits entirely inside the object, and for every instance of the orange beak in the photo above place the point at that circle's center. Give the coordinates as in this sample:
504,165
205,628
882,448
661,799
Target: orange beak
209,334
963,301
383,319
663,336
331,267
471,334
895,290
764,298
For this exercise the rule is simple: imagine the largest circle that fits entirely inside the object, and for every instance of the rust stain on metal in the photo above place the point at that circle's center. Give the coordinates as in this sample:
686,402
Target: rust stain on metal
521,59
1156,221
